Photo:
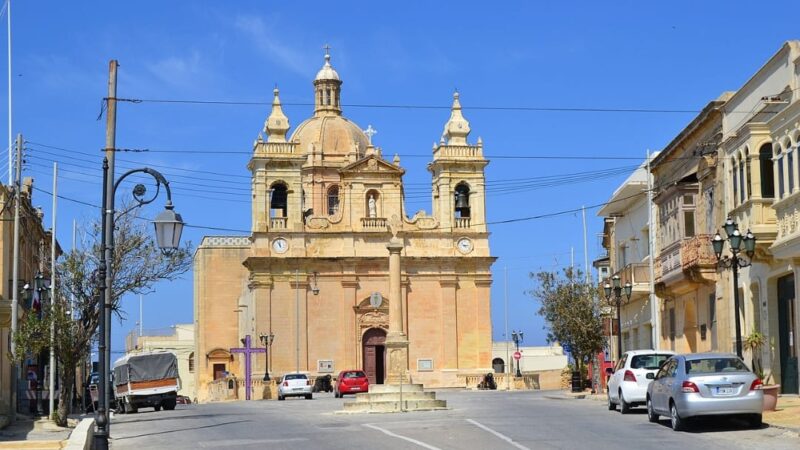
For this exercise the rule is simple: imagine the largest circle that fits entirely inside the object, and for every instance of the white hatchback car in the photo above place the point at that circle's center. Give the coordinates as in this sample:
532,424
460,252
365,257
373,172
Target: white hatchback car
295,385
627,386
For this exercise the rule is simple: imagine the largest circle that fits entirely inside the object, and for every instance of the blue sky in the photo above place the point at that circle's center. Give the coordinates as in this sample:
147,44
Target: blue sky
617,55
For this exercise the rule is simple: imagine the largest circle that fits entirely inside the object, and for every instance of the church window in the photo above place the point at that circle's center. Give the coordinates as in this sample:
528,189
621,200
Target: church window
278,200
333,200
191,362
461,198
767,174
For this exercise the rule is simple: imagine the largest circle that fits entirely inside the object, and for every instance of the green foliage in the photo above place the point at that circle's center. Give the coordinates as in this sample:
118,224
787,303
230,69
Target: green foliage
754,342
568,306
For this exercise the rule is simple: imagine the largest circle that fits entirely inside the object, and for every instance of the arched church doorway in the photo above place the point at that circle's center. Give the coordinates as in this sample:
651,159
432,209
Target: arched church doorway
499,365
374,355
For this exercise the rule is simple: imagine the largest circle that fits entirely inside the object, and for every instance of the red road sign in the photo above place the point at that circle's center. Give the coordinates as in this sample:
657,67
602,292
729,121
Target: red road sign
517,355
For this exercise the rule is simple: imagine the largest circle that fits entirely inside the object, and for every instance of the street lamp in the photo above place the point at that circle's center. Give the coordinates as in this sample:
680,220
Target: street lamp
735,261
38,291
168,228
266,339
517,336
616,300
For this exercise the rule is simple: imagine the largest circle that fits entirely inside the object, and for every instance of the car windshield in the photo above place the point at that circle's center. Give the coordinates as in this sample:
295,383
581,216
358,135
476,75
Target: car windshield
649,362
356,374
295,376
715,365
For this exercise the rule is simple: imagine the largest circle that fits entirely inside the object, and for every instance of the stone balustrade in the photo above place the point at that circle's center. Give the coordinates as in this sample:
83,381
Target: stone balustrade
373,223
462,222
277,223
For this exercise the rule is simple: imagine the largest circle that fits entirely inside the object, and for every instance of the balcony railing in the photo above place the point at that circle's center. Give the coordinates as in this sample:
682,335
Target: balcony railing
636,273
686,257
373,223
462,222
277,223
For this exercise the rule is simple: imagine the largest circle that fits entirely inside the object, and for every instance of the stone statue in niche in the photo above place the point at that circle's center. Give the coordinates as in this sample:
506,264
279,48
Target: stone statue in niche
373,211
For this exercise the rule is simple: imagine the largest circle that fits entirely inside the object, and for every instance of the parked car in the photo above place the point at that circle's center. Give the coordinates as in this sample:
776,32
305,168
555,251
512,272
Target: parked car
627,386
704,384
351,382
294,385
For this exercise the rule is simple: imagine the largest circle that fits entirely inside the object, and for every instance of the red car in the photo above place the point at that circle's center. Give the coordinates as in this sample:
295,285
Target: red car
351,382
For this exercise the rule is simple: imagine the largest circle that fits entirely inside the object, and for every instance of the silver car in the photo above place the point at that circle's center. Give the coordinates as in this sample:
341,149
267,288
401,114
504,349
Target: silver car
295,385
704,384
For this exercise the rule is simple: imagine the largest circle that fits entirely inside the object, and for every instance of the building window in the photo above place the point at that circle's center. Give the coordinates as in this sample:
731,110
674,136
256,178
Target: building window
749,192
742,190
278,200
688,223
191,362
333,200
735,185
767,174
790,169
779,159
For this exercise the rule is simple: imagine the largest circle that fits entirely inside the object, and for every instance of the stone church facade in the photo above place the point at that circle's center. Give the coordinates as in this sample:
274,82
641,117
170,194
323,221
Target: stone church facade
314,272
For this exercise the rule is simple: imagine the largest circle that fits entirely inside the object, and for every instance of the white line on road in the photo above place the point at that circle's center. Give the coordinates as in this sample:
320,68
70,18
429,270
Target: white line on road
501,436
413,441
242,442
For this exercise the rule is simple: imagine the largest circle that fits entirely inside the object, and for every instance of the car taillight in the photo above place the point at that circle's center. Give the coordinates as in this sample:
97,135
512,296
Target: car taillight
308,382
688,387
285,384
757,384
629,376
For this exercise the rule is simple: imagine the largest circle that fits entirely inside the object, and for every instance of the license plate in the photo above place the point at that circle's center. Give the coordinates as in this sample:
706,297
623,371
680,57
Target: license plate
355,388
297,389
724,390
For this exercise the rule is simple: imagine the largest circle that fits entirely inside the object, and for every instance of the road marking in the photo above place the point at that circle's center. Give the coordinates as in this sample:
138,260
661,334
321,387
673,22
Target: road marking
501,436
413,441
241,442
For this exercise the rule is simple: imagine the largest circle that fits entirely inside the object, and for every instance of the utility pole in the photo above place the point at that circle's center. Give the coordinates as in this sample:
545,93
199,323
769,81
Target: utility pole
52,385
15,278
652,235
103,422
10,129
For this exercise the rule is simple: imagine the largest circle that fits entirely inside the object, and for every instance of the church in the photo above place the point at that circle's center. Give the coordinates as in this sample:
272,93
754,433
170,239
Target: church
314,272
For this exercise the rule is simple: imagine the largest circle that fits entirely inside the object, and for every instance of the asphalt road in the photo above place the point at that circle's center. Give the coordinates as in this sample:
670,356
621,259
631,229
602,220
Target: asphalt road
476,420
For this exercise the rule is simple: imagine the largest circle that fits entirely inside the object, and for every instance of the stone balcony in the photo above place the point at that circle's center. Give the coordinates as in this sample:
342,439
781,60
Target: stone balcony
759,216
277,223
787,229
461,222
686,262
373,223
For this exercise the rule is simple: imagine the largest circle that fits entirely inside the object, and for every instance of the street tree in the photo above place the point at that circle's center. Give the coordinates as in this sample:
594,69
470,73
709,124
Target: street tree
568,306
137,264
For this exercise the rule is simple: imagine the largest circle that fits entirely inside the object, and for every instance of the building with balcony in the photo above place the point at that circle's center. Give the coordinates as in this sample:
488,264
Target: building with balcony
626,238
688,201
761,132
314,271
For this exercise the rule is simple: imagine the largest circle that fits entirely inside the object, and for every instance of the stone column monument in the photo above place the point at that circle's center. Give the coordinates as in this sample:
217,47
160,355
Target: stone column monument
396,340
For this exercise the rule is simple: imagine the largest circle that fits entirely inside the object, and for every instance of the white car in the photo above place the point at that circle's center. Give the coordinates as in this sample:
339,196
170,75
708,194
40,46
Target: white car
627,386
295,385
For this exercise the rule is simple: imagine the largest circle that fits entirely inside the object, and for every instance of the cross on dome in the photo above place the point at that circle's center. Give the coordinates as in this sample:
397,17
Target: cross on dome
370,132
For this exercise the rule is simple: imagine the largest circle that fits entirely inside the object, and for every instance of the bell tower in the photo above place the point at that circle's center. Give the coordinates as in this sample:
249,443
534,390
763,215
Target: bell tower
457,169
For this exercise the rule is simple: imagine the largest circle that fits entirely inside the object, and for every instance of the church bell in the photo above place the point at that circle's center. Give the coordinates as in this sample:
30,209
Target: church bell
278,199
462,202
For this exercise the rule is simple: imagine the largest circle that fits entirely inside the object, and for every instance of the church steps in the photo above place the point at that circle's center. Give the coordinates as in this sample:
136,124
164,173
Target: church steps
394,406
394,388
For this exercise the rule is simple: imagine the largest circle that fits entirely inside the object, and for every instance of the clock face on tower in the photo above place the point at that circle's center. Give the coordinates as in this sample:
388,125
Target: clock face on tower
279,245
464,245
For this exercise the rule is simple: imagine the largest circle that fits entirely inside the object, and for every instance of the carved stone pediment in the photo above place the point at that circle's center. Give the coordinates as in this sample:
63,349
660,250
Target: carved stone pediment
372,163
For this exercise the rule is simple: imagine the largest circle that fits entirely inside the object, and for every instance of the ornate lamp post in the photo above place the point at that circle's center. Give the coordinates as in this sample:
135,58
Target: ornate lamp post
517,337
168,227
734,261
266,339
616,301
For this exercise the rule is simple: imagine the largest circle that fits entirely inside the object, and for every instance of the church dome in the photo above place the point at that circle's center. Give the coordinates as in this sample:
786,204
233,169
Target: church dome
333,135
327,72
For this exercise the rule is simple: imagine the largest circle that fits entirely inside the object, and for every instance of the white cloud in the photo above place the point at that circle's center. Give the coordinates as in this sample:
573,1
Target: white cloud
178,71
267,44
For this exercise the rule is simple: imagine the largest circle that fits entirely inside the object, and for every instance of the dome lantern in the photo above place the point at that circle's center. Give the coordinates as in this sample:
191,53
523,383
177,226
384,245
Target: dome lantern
327,87
277,124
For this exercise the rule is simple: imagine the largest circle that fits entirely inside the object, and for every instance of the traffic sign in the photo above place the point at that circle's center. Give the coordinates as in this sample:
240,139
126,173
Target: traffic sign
517,355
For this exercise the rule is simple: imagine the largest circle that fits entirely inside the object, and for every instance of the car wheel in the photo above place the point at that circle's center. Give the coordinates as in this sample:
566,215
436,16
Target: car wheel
678,424
308,396
120,407
755,421
624,407
157,408
651,414
281,398
611,405
337,395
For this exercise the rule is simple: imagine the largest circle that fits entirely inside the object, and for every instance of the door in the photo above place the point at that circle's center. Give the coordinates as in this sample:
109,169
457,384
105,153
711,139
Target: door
373,354
219,371
787,335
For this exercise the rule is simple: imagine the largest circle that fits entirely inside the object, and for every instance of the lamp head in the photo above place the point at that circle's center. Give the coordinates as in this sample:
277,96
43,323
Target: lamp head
628,290
749,244
169,226
736,241
717,243
729,226
607,290
615,281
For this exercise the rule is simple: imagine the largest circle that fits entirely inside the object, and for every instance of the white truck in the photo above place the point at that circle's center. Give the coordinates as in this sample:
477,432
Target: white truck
146,379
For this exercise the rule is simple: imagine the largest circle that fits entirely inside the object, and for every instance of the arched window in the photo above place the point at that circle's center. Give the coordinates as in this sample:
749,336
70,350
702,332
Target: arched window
333,200
498,365
779,164
277,201
461,198
735,183
742,190
749,183
767,171
191,362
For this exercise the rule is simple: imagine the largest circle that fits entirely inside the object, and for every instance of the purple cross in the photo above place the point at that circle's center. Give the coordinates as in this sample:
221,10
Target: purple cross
247,350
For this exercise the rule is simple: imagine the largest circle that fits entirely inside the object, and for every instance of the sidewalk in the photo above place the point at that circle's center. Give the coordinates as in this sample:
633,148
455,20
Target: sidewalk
32,433
786,414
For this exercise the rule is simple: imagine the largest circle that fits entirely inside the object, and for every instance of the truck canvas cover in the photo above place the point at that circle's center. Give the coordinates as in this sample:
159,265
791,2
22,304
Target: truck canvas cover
146,367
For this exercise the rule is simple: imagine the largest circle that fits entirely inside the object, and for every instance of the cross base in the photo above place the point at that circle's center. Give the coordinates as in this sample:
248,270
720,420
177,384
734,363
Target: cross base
397,350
